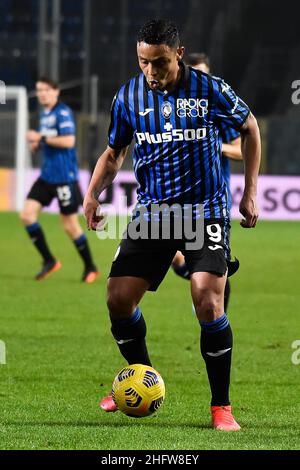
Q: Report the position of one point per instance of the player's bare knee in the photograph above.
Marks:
(208, 307)
(118, 304)
(27, 218)
(72, 228)
(23, 217)
(206, 304)
(68, 231)
(201, 295)
(68, 228)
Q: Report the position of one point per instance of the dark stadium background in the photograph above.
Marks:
(253, 44)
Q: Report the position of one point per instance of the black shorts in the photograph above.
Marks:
(150, 259)
(69, 195)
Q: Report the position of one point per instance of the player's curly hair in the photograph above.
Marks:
(159, 32)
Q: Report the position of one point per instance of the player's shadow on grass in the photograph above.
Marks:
(30, 279)
(66, 280)
(92, 424)
(19, 277)
(250, 428)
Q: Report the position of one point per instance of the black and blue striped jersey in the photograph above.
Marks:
(176, 156)
(59, 164)
(227, 135)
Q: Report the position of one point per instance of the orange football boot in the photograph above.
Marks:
(107, 404)
(90, 275)
(47, 269)
(223, 420)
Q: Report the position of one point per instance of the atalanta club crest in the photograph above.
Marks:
(166, 109)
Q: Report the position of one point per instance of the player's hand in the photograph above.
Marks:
(33, 146)
(92, 212)
(33, 137)
(249, 209)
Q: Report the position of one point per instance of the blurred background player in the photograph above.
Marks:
(231, 149)
(58, 179)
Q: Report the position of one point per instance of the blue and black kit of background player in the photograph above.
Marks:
(59, 174)
(227, 135)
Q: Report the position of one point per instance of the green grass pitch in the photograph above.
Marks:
(61, 357)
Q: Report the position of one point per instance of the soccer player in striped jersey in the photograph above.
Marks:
(173, 112)
(231, 149)
(58, 179)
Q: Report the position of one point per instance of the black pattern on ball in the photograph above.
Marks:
(133, 399)
(150, 379)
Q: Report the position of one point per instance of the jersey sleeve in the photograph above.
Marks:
(65, 122)
(120, 131)
(231, 111)
(227, 133)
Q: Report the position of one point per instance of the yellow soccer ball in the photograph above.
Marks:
(138, 390)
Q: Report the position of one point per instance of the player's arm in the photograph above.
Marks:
(61, 141)
(33, 139)
(251, 151)
(233, 112)
(104, 173)
(65, 131)
(233, 149)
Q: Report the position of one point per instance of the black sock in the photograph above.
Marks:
(38, 239)
(130, 336)
(182, 271)
(226, 295)
(83, 249)
(216, 349)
